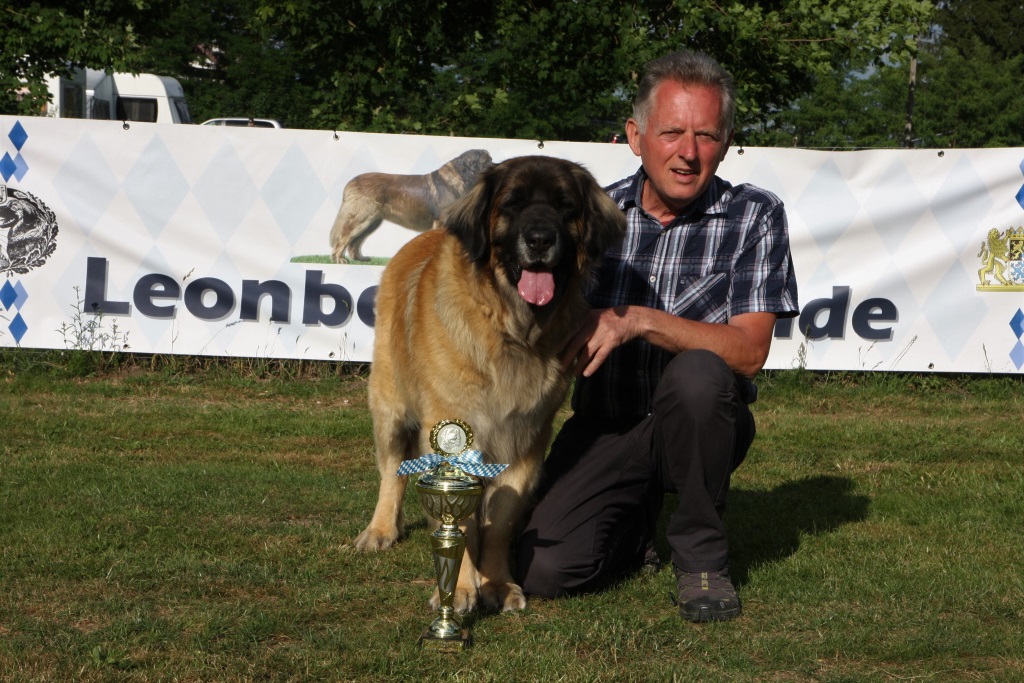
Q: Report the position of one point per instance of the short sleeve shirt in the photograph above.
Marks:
(728, 254)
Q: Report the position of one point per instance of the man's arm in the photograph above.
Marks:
(743, 342)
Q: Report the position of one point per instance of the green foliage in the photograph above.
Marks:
(777, 50)
(843, 110)
(241, 68)
(970, 97)
(561, 69)
(967, 90)
(997, 24)
(545, 69)
(814, 73)
(43, 37)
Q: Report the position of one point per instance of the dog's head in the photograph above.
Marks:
(540, 223)
(471, 164)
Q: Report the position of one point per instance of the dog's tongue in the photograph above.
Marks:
(537, 287)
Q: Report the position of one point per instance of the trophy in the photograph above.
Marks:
(449, 494)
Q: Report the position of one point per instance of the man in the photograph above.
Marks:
(683, 315)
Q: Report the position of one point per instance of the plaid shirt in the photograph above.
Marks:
(727, 254)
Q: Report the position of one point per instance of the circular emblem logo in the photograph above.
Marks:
(451, 437)
(28, 231)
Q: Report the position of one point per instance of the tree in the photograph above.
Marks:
(42, 37)
(845, 110)
(563, 68)
(779, 49)
(231, 66)
(546, 69)
(967, 93)
(997, 24)
(969, 97)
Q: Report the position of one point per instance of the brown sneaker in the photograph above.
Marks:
(707, 596)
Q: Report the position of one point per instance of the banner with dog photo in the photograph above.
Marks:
(270, 243)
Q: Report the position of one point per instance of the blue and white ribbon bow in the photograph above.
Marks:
(470, 462)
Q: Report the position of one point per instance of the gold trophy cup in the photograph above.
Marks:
(448, 495)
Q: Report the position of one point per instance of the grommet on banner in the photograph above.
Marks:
(124, 124)
(942, 153)
(336, 136)
(540, 144)
(740, 150)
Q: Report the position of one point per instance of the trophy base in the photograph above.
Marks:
(449, 643)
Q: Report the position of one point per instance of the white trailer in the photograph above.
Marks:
(90, 94)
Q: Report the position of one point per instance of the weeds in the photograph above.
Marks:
(89, 332)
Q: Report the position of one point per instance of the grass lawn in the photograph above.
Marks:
(163, 523)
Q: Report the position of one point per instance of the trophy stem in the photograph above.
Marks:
(449, 496)
(446, 632)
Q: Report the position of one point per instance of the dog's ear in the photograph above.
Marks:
(469, 218)
(606, 222)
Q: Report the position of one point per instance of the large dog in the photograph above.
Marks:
(412, 201)
(470, 322)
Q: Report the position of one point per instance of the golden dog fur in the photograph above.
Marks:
(455, 338)
(412, 201)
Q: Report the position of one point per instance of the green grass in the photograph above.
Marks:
(325, 258)
(176, 520)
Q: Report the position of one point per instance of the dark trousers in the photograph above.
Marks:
(604, 482)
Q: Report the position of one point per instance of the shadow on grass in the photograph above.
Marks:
(766, 526)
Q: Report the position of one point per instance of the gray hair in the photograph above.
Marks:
(686, 68)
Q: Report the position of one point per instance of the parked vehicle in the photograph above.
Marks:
(90, 94)
(243, 122)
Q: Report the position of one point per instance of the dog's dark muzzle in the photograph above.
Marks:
(540, 236)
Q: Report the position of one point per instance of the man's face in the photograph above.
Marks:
(681, 146)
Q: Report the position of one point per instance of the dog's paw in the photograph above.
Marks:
(373, 539)
(505, 597)
(464, 601)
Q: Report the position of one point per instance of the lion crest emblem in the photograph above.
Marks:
(1002, 261)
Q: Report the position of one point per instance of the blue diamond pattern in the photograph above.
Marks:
(1020, 192)
(225, 191)
(20, 167)
(1017, 355)
(7, 167)
(964, 195)
(18, 328)
(828, 202)
(292, 192)
(8, 295)
(155, 186)
(18, 135)
(1017, 323)
(22, 295)
(957, 326)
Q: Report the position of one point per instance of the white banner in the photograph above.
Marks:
(216, 241)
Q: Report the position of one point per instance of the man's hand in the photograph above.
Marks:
(603, 331)
(743, 342)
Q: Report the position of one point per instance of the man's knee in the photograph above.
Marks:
(545, 573)
(541, 579)
(695, 382)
